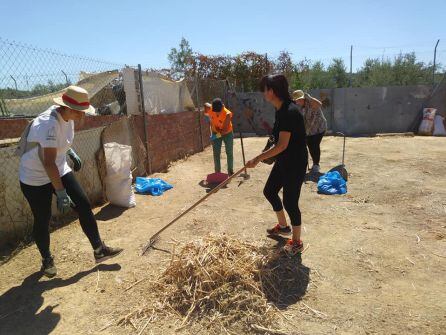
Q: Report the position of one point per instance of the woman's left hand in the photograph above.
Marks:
(77, 162)
(252, 163)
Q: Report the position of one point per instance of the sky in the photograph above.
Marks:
(136, 31)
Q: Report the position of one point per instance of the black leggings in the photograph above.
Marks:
(290, 177)
(314, 146)
(39, 199)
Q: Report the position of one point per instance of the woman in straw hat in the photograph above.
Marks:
(291, 155)
(44, 170)
(315, 125)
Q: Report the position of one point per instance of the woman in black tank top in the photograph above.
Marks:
(291, 155)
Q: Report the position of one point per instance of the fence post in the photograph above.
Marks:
(15, 83)
(433, 67)
(351, 66)
(146, 137)
(66, 77)
(332, 116)
(198, 111)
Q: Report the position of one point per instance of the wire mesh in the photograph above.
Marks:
(31, 77)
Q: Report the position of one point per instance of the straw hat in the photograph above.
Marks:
(298, 94)
(75, 98)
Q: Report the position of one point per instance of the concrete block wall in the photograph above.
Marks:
(371, 110)
(353, 111)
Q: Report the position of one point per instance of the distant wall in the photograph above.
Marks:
(251, 113)
(371, 110)
(354, 111)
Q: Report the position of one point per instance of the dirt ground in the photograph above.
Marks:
(374, 263)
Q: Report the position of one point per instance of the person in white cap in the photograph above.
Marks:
(44, 170)
(315, 125)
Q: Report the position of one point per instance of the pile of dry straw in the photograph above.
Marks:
(219, 283)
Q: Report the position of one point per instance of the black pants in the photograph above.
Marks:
(39, 199)
(314, 146)
(289, 177)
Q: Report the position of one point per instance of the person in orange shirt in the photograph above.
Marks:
(221, 131)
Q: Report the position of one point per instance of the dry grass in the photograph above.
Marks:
(220, 283)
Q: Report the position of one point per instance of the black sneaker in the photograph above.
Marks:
(279, 230)
(106, 253)
(48, 268)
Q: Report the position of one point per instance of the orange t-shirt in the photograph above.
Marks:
(217, 120)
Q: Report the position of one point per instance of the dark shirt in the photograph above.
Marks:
(289, 118)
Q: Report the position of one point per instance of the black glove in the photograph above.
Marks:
(77, 162)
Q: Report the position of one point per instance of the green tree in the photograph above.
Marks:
(338, 73)
(375, 72)
(302, 75)
(284, 64)
(408, 71)
(319, 77)
(181, 60)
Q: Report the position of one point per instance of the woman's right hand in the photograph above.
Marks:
(64, 202)
(252, 163)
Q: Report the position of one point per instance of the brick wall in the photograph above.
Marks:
(13, 128)
(172, 136)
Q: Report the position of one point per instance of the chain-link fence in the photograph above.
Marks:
(31, 77)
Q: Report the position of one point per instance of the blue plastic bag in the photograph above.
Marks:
(153, 186)
(332, 183)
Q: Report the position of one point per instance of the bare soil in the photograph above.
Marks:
(374, 263)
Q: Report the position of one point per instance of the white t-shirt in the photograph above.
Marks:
(50, 133)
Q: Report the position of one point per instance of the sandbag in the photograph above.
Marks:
(427, 124)
(439, 128)
(118, 180)
(332, 183)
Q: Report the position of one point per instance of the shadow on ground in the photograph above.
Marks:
(109, 212)
(313, 176)
(208, 186)
(286, 277)
(20, 306)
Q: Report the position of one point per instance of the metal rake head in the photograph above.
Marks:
(152, 241)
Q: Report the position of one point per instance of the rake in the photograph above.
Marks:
(155, 237)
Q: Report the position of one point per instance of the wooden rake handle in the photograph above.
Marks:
(153, 238)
